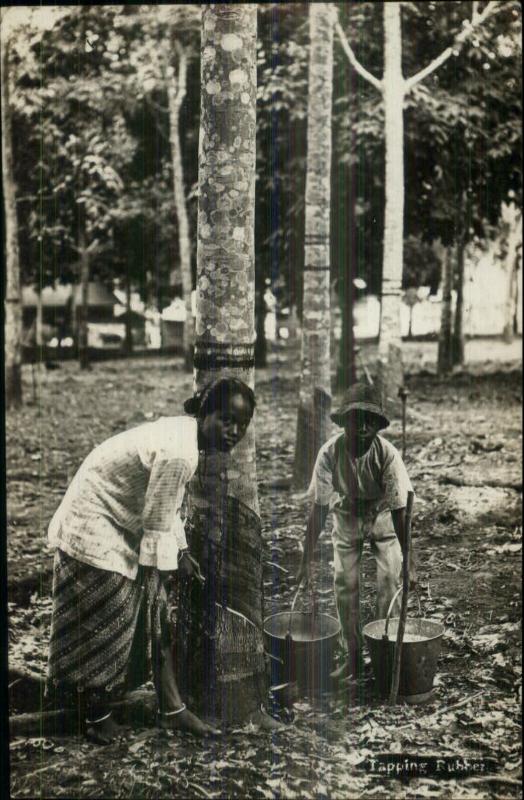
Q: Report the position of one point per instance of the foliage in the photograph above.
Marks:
(462, 126)
(74, 118)
(96, 126)
(107, 102)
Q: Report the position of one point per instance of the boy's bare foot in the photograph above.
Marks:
(344, 671)
(266, 722)
(186, 721)
(105, 732)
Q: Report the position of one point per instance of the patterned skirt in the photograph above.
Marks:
(107, 631)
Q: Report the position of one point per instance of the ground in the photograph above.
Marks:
(464, 456)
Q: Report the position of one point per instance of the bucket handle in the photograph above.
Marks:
(390, 609)
(288, 632)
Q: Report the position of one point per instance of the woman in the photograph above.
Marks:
(117, 533)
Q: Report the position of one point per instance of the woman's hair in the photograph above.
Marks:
(215, 396)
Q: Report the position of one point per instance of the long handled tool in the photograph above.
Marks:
(403, 394)
(404, 606)
(367, 373)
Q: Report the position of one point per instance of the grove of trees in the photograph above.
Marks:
(134, 137)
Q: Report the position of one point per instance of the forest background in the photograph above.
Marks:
(104, 115)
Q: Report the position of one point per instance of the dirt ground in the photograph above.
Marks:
(464, 443)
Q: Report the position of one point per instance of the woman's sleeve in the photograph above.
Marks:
(163, 528)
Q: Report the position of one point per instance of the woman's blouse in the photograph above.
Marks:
(122, 507)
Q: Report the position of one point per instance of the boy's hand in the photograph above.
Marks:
(413, 577)
(304, 572)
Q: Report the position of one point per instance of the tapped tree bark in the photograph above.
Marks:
(13, 292)
(390, 369)
(176, 91)
(219, 628)
(347, 354)
(315, 377)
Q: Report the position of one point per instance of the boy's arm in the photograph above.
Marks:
(315, 526)
(399, 523)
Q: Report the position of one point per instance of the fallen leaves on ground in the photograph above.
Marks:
(467, 551)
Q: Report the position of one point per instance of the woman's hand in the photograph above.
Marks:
(188, 567)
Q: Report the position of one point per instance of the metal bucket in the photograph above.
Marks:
(418, 661)
(301, 646)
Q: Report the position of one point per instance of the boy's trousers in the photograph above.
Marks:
(348, 540)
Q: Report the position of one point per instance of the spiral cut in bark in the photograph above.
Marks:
(219, 628)
(220, 646)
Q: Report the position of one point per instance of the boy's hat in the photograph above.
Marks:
(360, 397)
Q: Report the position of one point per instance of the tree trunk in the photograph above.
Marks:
(390, 370)
(128, 340)
(260, 330)
(176, 92)
(13, 293)
(294, 323)
(315, 377)
(83, 344)
(457, 338)
(512, 261)
(219, 625)
(347, 357)
(444, 363)
(39, 322)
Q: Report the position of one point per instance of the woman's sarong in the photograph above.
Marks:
(107, 631)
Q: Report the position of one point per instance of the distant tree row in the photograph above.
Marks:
(105, 113)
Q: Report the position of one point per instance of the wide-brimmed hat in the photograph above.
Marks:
(361, 397)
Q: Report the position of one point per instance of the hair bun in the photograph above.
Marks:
(192, 405)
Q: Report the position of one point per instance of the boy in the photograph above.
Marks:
(362, 478)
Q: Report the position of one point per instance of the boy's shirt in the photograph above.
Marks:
(357, 490)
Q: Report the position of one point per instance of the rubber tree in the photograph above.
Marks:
(512, 251)
(394, 89)
(13, 294)
(444, 353)
(220, 625)
(315, 375)
(457, 336)
(83, 283)
(176, 91)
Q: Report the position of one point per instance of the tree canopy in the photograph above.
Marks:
(91, 126)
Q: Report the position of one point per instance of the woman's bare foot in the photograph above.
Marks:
(186, 721)
(105, 731)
